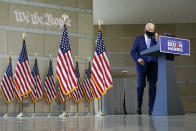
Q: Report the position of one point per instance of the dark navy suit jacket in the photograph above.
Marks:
(138, 46)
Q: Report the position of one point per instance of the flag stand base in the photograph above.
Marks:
(89, 114)
(20, 115)
(50, 115)
(101, 114)
(98, 113)
(77, 114)
(63, 115)
(33, 115)
(6, 115)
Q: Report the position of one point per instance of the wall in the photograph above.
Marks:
(118, 41)
(44, 39)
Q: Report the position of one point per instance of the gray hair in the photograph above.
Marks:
(148, 24)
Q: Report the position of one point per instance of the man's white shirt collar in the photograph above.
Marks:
(146, 38)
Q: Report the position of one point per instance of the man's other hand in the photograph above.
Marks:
(141, 61)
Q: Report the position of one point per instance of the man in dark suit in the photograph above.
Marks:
(146, 66)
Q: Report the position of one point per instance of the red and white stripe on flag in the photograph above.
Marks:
(87, 89)
(7, 85)
(7, 89)
(78, 93)
(87, 84)
(49, 85)
(22, 77)
(96, 92)
(101, 72)
(63, 97)
(36, 93)
(17, 94)
(65, 69)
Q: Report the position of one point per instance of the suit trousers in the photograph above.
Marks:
(151, 74)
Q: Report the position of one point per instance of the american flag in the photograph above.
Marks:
(78, 93)
(22, 77)
(87, 85)
(65, 70)
(49, 86)
(17, 94)
(7, 85)
(63, 97)
(36, 94)
(101, 73)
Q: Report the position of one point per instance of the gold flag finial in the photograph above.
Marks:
(35, 55)
(50, 57)
(76, 57)
(100, 22)
(23, 35)
(89, 60)
(65, 18)
(10, 56)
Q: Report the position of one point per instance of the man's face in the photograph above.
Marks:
(151, 28)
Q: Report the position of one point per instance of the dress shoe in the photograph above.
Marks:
(150, 113)
(139, 111)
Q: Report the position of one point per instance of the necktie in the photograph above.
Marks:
(148, 46)
(148, 42)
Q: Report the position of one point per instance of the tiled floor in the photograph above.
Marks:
(107, 123)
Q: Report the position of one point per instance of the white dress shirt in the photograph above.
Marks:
(146, 38)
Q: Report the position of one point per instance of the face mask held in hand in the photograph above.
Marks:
(150, 34)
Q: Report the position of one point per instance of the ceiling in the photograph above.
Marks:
(143, 11)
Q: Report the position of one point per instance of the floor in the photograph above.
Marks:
(106, 123)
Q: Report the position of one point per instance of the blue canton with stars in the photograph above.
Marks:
(9, 69)
(77, 71)
(50, 71)
(23, 54)
(100, 48)
(65, 45)
(35, 70)
(88, 73)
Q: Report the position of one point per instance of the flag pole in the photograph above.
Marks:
(101, 113)
(6, 114)
(77, 109)
(33, 110)
(66, 21)
(98, 111)
(77, 113)
(20, 115)
(100, 22)
(21, 111)
(50, 112)
(89, 106)
(64, 114)
(89, 101)
(33, 101)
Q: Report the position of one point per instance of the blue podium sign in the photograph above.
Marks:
(174, 45)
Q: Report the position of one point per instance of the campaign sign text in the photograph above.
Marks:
(174, 45)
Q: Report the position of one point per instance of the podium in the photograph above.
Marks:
(167, 101)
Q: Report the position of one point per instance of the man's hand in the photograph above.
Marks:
(156, 36)
(141, 61)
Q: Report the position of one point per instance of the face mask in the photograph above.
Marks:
(150, 34)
